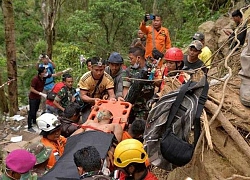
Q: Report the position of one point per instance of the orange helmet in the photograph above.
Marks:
(173, 54)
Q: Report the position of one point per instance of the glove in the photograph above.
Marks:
(67, 70)
(146, 17)
(150, 102)
(43, 95)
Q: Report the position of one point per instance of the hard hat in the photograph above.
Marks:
(115, 57)
(129, 151)
(47, 122)
(173, 54)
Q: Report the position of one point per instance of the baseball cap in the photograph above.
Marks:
(20, 161)
(198, 36)
(197, 44)
(41, 152)
(115, 57)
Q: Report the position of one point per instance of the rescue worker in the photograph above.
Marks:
(93, 85)
(206, 53)
(51, 132)
(157, 36)
(18, 165)
(114, 69)
(42, 154)
(137, 92)
(131, 157)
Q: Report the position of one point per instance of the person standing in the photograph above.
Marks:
(36, 88)
(206, 53)
(45, 61)
(137, 92)
(114, 69)
(93, 85)
(157, 35)
(141, 38)
(192, 61)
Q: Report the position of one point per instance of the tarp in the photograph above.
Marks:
(65, 167)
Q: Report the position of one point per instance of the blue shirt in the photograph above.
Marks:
(49, 83)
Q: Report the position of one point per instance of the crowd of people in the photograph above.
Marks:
(66, 114)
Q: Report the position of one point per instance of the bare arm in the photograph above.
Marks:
(56, 103)
(118, 132)
(111, 94)
(125, 91)
(86, 98)
(33, 90)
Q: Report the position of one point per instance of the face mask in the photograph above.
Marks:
(46, 74)
(135, 66)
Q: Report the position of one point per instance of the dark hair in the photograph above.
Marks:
(65, 76)
(137, 50)
(88, 60)
(88, 158)
(40, 70)
(72, 109)
(137, 127)
(139, 167)
(157, 15)
(96, 60)
(46, 133)
(237, 13)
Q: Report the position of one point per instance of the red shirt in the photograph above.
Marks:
(57, 87)
(149, 176)
(38, 84)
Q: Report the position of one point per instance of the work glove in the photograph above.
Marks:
(67, 70)
(43, 95)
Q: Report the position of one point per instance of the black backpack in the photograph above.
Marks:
(169, 125)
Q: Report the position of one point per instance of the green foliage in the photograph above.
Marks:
(107, 26)
(68, 56)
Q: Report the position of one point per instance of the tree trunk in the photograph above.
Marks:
(50, 12)
(11, 54)
(3, 103)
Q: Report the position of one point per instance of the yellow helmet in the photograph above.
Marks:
(129, 151)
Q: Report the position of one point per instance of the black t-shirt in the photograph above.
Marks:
(195, 65)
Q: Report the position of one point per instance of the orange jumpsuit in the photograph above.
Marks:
(162, 39)
(56, 146)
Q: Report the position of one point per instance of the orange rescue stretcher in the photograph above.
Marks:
(119, 109)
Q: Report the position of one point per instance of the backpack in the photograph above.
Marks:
(169, 125)
(51, 94)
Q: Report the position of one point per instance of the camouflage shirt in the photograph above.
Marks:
(64, 96)
(139, 107)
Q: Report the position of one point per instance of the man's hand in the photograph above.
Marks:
(112, 99)
(43, 95)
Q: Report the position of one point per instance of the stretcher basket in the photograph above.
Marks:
(119, 109)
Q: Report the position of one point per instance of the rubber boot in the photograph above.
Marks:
(245, 75)
(245, 92)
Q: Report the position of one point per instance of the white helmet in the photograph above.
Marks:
(47, 122)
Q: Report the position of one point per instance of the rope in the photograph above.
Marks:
(7, 83)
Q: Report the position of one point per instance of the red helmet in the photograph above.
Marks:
(173, 54)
